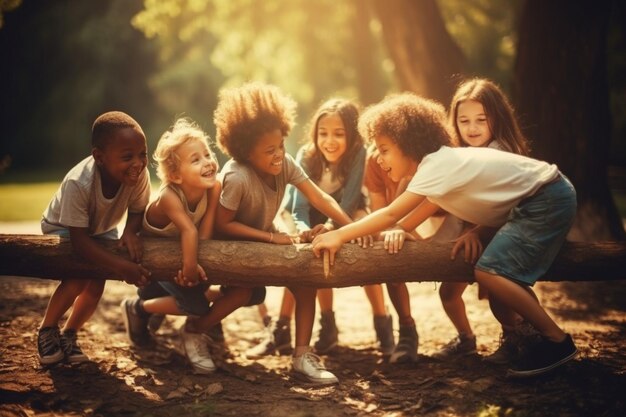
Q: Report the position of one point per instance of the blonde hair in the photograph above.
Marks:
(183, 131)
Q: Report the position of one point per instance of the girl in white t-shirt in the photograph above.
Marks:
(530, 201)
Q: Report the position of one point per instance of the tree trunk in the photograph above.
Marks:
(561, 91)
(252, 263)
(426, 58)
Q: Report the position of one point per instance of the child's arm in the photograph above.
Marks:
(418, 215)
(373, 222)
(226, 224)
(323, 202)
(88, 248)
(130, 239)
(205, 231)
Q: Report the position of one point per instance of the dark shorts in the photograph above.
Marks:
(525, 247)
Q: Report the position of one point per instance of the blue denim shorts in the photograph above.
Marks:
(110, 235)
(525, 247)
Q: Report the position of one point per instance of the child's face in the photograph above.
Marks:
(392, 160)
(472, 123)
(266, 157)
(124, 158)
(198, 167)
(331, 137)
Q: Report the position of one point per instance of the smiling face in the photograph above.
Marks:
(266, 157)
(123, 158)
(472, 123)
(198, 167)
(392, 160)
(331, 137)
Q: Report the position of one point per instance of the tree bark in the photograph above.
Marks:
(252, 263)
(427, 60)
(561, 92)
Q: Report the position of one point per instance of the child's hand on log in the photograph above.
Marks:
(364, 241)
(330, 241)
(471, 245)
(393, 239)
(135, 274)
(133, 244)
(186, 281)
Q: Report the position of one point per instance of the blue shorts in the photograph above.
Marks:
(110, 235)
(191, 300)
(525, 247)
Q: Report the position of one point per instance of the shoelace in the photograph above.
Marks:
(314, 360)
(49, 340)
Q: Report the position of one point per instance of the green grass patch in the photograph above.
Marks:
(23, 202)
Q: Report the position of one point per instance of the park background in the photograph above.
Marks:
(64, 62)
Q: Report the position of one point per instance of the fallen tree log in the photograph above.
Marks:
(253, 263)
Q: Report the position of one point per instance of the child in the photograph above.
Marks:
(482, 117)
(89, 204)
(252, 122)
(530, 200)
(334, 159)
(185, 208)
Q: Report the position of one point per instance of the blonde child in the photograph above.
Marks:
(185, 208)
(530, 201)
(334, 159)
(252, 122)
(89, 204)
(482, 116)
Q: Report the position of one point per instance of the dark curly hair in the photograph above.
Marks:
(499, 112)
(418, 125)
(313, 158)
(245, 113)
(108, 123)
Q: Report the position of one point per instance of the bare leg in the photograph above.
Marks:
(234, 298)
(325, 299)
(305, 313)
(288, 305)
(399, 296)
(62, 299)
(85, 304)
(451, 294)
(377, 300)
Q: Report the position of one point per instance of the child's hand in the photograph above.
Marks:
(309, 235)
(135, 274)
(472, 246)
(393, 239)
(329, 241)
(364, 241)
(133, 243)
(283, 239)
(191, 280)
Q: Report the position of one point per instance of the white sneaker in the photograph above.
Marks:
(196, 347)
(310, 367)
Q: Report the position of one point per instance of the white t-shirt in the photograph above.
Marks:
(79, 201)
(254, 201)
(479, 185)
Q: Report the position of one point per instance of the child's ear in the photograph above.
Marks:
(97, 155)
(175, 178)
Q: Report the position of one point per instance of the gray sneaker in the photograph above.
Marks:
(136, 326)
(406, 349)
(196, 348)
(277, 339)
(328, 337)
(69, 344)
(459, 346)
(309, 367)
(384, 333)
(49, 346)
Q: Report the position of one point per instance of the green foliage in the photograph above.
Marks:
(25, 202)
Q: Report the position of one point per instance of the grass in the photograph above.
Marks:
(25, 202)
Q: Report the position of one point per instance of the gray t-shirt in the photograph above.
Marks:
(79, 201)
(254, 201)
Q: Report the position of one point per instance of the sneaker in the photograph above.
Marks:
(329, 334)
(216, 333)
(513, 343)
(543, 357)
(136, 325)
(196, 348)
(49, 346)
(459, 346)
(384, 333)
(309, 367)
(69, 344)
(277, 339)
(155, 321)
(406, 349)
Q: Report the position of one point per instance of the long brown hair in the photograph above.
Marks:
(313, 159)
(500, 114)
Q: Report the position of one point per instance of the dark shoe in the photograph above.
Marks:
(457, 347)
(155, 321)
(384, 333)
(136, 324)
(543, 357)
(328, 337)
(513, 344)
(277, 339)
(49, 346)
(69, 344)
(216, 333)
(406, 349)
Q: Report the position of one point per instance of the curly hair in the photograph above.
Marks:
(500, 114)
(246, 113)
(107, 124)
(418, 125)
(167, 160)
(349, 114)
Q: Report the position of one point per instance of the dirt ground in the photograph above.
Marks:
(122, 381)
